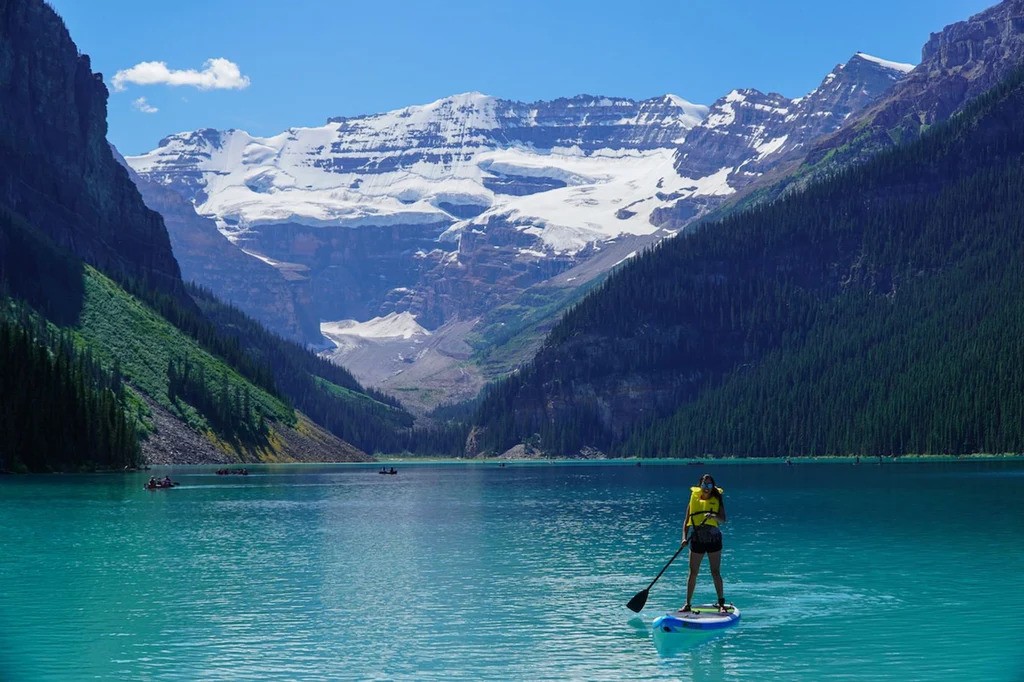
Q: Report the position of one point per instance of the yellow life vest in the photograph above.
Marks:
(697, 505)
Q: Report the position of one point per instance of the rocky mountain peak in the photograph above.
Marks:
(979, 47)
(847, 89)
(450, 209)
(957, 64)
(851, 86)
(747, 132)
(209, 137)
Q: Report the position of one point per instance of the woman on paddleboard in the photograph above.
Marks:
(704, 513)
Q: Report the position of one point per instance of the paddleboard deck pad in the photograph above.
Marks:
(703, 617)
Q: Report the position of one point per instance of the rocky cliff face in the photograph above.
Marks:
(56, 169)
(279, 298)
(750, 133)
(957, 64)
(470, 120)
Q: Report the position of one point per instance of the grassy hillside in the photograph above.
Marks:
(126, 333)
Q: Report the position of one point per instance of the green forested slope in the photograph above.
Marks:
(151, 353)
(879, 311)
(61, 410)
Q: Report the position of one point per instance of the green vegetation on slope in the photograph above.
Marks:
(61, 410)
(146, 346)
(508, 335)
(329, 394)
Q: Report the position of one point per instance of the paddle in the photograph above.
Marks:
(640, 598)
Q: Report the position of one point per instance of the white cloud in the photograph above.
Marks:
(145, 107)
(217, 74)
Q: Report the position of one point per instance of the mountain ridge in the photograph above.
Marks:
(964, 60)
(450, 209)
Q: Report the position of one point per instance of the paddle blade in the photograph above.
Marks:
(636, 604)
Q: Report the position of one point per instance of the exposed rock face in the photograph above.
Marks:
(586, 122)
(351, 273)
(172, 442)
(280, 299)
(751, 133)
(957, 64)
(56, 169)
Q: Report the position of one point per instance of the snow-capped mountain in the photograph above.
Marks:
(750, 133)
(446, 161)
(449, 209)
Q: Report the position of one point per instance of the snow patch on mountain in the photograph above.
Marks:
(611, 193)
(395, 325)
(464, 159)
(895, 66)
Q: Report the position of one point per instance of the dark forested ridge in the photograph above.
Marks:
(880, 311)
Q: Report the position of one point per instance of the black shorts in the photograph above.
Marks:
(709, 539)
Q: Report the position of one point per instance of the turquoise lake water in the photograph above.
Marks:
(900, 571)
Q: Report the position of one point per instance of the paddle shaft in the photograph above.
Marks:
(665, 568)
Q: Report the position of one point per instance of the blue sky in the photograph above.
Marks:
(301, 61)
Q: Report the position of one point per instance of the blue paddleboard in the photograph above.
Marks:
(701, 618)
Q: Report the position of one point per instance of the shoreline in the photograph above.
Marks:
(822, 459)
(383, 460)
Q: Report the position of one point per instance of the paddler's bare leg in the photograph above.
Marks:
(715, 559)
(691, 582)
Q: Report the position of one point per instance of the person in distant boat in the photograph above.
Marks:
(392, 471)
(704, 513)
(152, 482)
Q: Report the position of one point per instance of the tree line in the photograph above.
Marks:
(61, 410)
